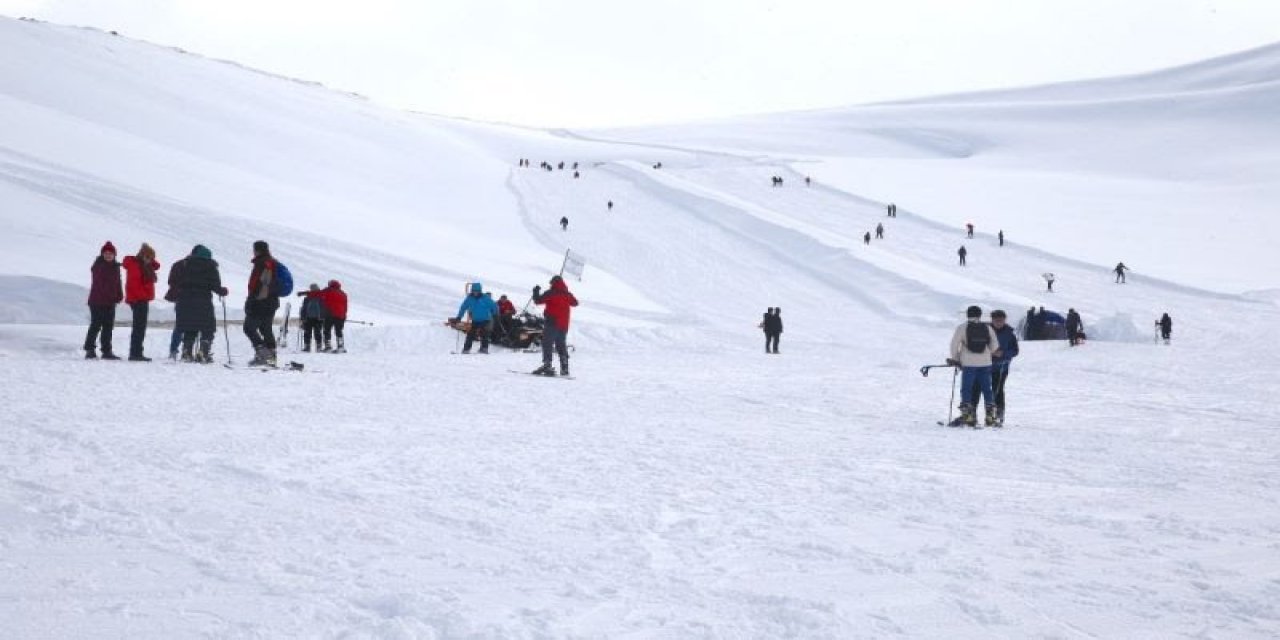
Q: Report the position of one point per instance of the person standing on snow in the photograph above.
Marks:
(139, 290)
(564, 223)
(962, 252)
(197, 282)
(866, 238)
(1074, 327)
(773, 326)
(261, 305)
(972, 346)
(506, 315)
(879, 231)
(1007, 350)
(171, 295)
(1001, 237)
(969, 227)
(482, 310)
(312, 315)
(1120, 269)
(335, 316)
(558, 302)
(765, 326)
(1166, 327)
(1048, 280)
(105, 293)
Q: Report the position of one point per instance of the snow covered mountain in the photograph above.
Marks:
(685, 485)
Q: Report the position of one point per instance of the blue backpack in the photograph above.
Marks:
(282, 283)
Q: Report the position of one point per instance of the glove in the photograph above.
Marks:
(223, 292)
(455, 320)
(953, 362)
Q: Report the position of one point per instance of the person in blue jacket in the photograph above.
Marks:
(482, 310)
(1008, 339)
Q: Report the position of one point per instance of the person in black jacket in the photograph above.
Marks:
(261, 305)
(197, 282)
(773, 330)
(312, 315)
(1166, 327)
(765, 325)
(1074, 327)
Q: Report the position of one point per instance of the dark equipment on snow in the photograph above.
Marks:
(1043, 325)
(525, 331)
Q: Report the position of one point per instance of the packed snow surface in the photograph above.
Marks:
(684, 484)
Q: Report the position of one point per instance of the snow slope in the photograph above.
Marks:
(684, 485)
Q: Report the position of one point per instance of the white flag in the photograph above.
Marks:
(574, 264)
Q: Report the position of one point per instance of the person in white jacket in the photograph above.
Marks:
(972, 346)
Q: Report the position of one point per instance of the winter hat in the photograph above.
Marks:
(107, 247)
(334, 284)
(201, 251)
(261, 245)
(476, 287)
(314, 287)
(147, 252)
(974, 311)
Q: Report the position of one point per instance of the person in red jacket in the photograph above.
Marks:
(558, 302)
(104, 294)
(335, 317)
(506, 315)
(139, 290)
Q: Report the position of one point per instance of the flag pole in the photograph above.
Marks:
(564, 262)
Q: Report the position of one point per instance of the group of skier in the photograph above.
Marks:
(323, 314)
(193, 281)
(486, 314)
(983, 352)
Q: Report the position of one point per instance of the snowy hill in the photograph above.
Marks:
(683, 485)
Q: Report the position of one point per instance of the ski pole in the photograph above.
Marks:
(924, 371)
(225, 335)
(955, 371)
(360, 322)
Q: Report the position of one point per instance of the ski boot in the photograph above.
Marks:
(186, 354)
(90, 353)
(968, 415)
(138, 357)
(107, 355)
(343, 349)
(205, 354)
(999, 417)
(545, 370)
(262, 357)
(564, 367)
(306, 347)
(962, 420)
(328, 347)
(992, 420)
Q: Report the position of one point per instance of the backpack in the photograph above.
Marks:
(977, 337)
(282, 283)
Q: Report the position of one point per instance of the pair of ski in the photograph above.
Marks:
(540, 375)
(291, 366)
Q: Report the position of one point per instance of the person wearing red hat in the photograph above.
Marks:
(105, 293)
(335, 315)
(139, 290)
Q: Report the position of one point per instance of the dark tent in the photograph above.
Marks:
(1043, 325)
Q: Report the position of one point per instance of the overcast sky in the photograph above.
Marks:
(579, 63)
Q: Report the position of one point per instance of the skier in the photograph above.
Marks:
(105, 293)
(767, 326)
(260, 306)
(335, 316)
(1001, 359)
(879, 232)
(969, 226)
(559, 303)
(773, 324)
(575, 175)
(1001, 237)
(1120, 269)
(481, 310)
(312, 315)
(866, 238)
(893, 210)
(610, 205)
(198, 279)
(1166, 326)
(564, 223)
(1074, 327)
(171, 295)
(139, 290)
(962, 253)
(1048, 280)
(972, 346)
